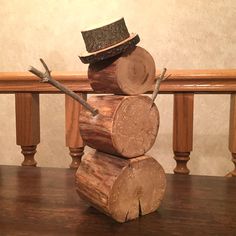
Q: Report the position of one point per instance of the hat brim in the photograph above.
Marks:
(110, 51)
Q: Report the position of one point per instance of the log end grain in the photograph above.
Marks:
(131, 73)
(139, 190)
(136, 71)
(135, 126)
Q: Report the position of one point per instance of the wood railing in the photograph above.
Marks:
(182, 83)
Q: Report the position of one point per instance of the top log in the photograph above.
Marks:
(131, 73)
(208, 81)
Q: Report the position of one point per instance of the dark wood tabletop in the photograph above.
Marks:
(43, 201)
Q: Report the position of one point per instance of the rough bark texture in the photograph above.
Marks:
(123, 189)
(105, 36)
(126, 125)
(132, 72)
(110, 51)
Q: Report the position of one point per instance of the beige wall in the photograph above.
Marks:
(180, 34)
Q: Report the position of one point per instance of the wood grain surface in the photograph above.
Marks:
(132, 73)
(182, 130)
(232, 132)
(73, 137)
(43, 201)
(27, 125)
(117, 129)
(123, 189)
(212, 81)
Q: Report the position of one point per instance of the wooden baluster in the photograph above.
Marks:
(182, 130)
(232, 133)
(27, 125)
(73, 138)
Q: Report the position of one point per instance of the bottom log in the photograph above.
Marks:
(123, 189)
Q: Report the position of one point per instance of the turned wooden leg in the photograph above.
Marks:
(182, 130)
(233, 172)
(73, 138)
(232, 133)
(27, 125)
(76, 154)
(28, 152)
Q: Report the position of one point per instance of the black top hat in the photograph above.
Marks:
(107, 41)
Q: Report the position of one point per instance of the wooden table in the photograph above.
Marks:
(43, 201)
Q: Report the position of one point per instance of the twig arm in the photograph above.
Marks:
(158, 83)
(37, 72)
(47, 78)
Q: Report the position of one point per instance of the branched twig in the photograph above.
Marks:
(158, 83)
(47, 78)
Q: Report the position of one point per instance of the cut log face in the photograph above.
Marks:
(132, 73)
(126, 125)
(124, 189)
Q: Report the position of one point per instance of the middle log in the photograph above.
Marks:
(125, 126)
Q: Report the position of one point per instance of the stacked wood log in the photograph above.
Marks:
(132, 72)
(124, 189)
(118, 178)
(126, 125)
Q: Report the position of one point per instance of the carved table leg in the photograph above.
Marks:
(232, 133)
(27, 125)
(73, 138)
(182, 130)
(28, 152)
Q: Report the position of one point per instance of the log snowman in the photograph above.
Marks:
(118, 178)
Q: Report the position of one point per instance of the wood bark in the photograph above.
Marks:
(132, 72)
(105, 36)
(111, 51)
(123, 189)
(125, 126)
